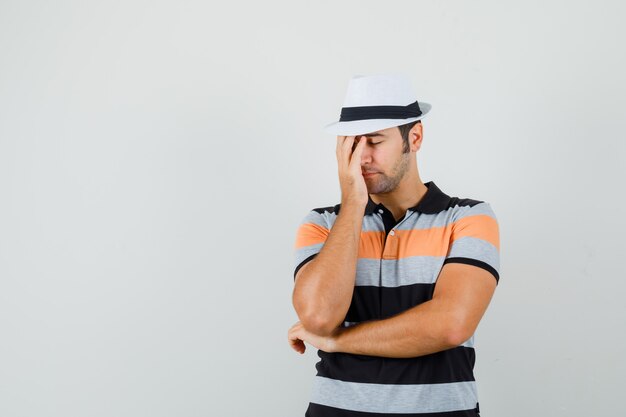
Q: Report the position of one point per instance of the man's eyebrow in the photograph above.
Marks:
(373, 134)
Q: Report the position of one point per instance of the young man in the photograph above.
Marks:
(391, 283)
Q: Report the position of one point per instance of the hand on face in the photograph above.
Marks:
(353, 187)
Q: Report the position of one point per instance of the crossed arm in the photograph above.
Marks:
(461, 297)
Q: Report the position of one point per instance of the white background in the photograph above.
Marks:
(156, 158)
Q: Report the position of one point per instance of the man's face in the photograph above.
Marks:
(383, 155)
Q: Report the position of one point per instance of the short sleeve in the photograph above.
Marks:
(475, 239)
(310, 237)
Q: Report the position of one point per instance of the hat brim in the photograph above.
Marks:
(361, 127)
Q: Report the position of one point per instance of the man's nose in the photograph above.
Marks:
(366, 155)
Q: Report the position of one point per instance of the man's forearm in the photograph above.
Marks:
(323, 294)
(421, 330)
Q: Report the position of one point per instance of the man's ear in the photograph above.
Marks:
(415, 137)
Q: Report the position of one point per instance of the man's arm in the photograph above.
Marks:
(323, 292)
(323, 287)
(462, 294)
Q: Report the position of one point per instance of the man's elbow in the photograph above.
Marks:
(311, 318)
(318, 325)
(458, 331)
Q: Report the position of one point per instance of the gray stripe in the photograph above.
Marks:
(445, 217)
(315, 218)
(397, 272)
(480, 208)
(475, 248)
(391, 398)
(411, 270)
(412, 220)
(373, 224)
(369, 224)
(304, 252)
(421, 221)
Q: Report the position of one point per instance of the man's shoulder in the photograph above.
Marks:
(449, 201)
(327, 209)
(459, 208)
(463, 202)
(323, 215)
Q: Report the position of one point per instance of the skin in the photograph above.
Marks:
(462, 292)
(397, 184)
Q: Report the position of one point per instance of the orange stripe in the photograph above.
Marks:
(480, 226)
(310, 234)
(423, 242)
(435, 241)
(371, 244)
(405, 243)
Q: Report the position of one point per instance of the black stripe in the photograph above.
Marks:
(301, 264)
(463, 202)
(433, 202)
(318, 410)
(451, 365)
(375, 303)
(475, 262)
(349, 114)
(329, 209)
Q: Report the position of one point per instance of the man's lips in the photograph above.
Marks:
(369, 174)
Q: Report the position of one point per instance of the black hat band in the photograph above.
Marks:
(349, 114)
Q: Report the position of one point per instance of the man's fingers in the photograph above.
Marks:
(339, 142)
(356, 153)
(294, 341)
(360, 144)
(298, 346)
(344, 151)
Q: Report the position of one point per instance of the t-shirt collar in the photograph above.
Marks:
(433, 201)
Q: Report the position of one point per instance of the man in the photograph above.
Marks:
(391, 283)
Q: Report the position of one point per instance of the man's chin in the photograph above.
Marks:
(373, 190)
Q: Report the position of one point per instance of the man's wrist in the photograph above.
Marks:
(353, 204)
(333, 342)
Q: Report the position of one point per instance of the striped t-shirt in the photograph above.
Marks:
(397, 266)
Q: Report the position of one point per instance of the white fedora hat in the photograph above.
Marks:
(377, 102)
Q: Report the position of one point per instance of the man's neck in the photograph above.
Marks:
(401, 198)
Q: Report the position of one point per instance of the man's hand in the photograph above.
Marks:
(297, 335)
(351, 181)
